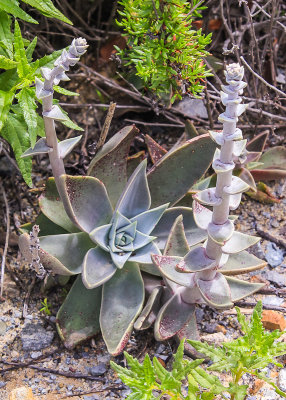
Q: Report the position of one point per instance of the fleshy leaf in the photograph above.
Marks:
(239, 147)
(40, 147)
(240, 289)
(239, 242)
(147, 220)
(120, 259)
(216, 292)
(193, 234)
(100, 236)
(208, 197)
(156, 151)
(258, 142)
(64, 254)
(66, 146)
(78, 317)
(150, 311)
(190, 331)
(142, 240)
(143, 255)
(246, 176)
(274, 158)
(135, 198)
(97, 268)
(237, 186)
(177, 244)
(47, 227)
(202, 215)
(195, 261)
(167, 183)
(221, 233)
(167, 267)
(86, 201)
(241, 263)
(172, 317)
(109, 164)
(53, 208)
(55, 113)
(122, 301)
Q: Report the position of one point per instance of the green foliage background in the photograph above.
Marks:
(162, 45)
(19, 122)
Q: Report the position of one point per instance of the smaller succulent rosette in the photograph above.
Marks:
(127, 236)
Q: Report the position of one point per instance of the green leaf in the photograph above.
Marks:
(26, 98)
(16, 133)
(66, 92)
(6, 63)
(239, 391)
(6, 99)
(23, 67)
(68, 122)
(30, 49)
(6, 36)
(47, 8)
(48, 61)
(11, 7)
(9, 79)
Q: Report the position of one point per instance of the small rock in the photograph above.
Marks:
(2, 384)
(17, 314)
(272, 301)
(215, 338)
(270, 394)
(258, 383)
(22, 393)
(98, 370)
(273, 320)
(192, 108)
(275, 277)
(92, 397)
(282, 379)
(221, 328)
(160, 349)
(209, 328)
(3, 328)
(36, 354)
(274, 256)
(103, 359)
(35, 337)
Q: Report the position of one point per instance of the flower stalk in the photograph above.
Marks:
(226, 195)
(51, 112)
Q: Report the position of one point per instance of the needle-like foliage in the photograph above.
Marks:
(163, 46)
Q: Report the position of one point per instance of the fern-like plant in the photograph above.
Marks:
(247, 354)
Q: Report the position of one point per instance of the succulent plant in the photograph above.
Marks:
(88, 243)
(102, 226)
(201, 274)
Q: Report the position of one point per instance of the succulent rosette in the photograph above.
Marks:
(105, 227)
(126, 237)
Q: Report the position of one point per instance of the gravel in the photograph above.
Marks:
(35, 337)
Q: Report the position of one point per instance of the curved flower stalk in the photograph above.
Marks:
(201, 274)
(44, 92)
